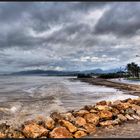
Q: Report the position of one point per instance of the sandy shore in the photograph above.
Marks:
(128, 88)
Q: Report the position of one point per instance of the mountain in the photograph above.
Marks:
(63, 73)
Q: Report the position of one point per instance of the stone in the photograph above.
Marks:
(93, 111)
(2, 135)
(105, 114)
(80, 121)
(92, 118)
(109, 122)
(122, 117)
(90, 128)
(49, 123)
(101, 103)
(136, 117)
(129, 117)
(116, 102)
(68, 125)
(102, 107)
(129, 111)
(34, 130)
(15, 134)
(136, 108)
(79, 134)
(68, 116)
(123, 106)
(115, 111)
(56, 116)
(88, 107)
(4, 127)
(82, 112)
(60, 132)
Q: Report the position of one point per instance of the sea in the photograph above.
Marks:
(27, 97)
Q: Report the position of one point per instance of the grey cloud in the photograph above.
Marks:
(121, 19)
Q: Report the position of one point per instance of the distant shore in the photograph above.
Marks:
(128, 88)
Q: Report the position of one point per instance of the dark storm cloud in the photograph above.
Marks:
(74, 35)
(121, 19)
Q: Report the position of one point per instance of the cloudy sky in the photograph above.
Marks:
(68, 36)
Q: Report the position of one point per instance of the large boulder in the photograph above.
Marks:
(115, 111)
(34, 130)
(123, 106)
(129, 111)
(68, 125)
(105, 114)
(103, 107)
(2, 135)
(101, 103)
(15, 134)
(122, 117)
(129, 117)
(60, 132)
(80, 121)
(90, 128)
(81, 112)
(49, 123)
(109, 122)
(56, 116)
(136, 108)
(68, 116)
(92, 118)
(79, 134)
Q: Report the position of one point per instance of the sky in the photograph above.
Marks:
(68, 35)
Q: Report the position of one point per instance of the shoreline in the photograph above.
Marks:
(105, 119)
(127, 88)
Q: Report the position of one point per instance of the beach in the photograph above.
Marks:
(25, 98)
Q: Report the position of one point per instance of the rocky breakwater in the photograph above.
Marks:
(76, 124)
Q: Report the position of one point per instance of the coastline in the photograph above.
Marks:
(105, 119)
(127, 88)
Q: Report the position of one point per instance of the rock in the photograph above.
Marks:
(79, 134)
(90, 128)
(2, 135)
(115, 111)
(93, 111)
(56, 116)
(80, 121)
(81, 113)
(60, 132)
(34, 130)
(101, 103)
(109, 122)
(136, 108)
(129, 117)
(105, 114)
(15, 134)
(116, 102)
(102, 107)
(92, 118)
(137, 102)
(68, 116)
(122, 117)
(49, 123)
(136, 117)
(129, 111)
(88, 107)
(4, 127)
(123, 106)
(68, 125)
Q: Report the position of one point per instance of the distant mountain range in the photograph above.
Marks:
(63, 73)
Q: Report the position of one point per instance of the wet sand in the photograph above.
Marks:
(128, 88)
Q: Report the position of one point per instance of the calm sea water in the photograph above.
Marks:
(25, 97)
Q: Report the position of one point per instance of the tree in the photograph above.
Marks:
(133, 69)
